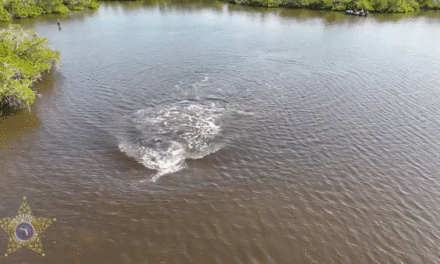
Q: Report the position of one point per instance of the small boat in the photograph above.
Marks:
(356, 13)
(364, 13)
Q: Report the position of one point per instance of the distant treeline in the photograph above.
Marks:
(382, 6)
(379, 6)
(31, 8)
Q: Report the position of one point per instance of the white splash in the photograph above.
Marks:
(165, 136)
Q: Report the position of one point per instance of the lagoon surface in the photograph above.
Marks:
(213, 133)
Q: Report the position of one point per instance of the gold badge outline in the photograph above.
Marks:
(38, 224)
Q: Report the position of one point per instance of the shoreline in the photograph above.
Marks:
(13, 100)
(27, 58)
(11, 10)
(16, 10)
(383, 7)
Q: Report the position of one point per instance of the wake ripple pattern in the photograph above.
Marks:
(161, 138)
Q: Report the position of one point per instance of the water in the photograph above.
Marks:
(162, 139)
(209, 133)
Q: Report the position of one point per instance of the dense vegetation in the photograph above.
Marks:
(383, 6)
(32, 8)
(23, 58)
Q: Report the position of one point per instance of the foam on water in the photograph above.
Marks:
(161, 138)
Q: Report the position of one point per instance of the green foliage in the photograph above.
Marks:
(415, 5)
(399, 6)
(62, 9)
(33, 8)
(23, 58)
(81, 4)
(94, 5)
(344, 5)
(383, 6)
(380, 6)
(326, 4)
(363, 4)
(4, 15)
(52, 6)
(23, 8)
(429, 4)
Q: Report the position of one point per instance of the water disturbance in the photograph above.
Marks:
(162, 138)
